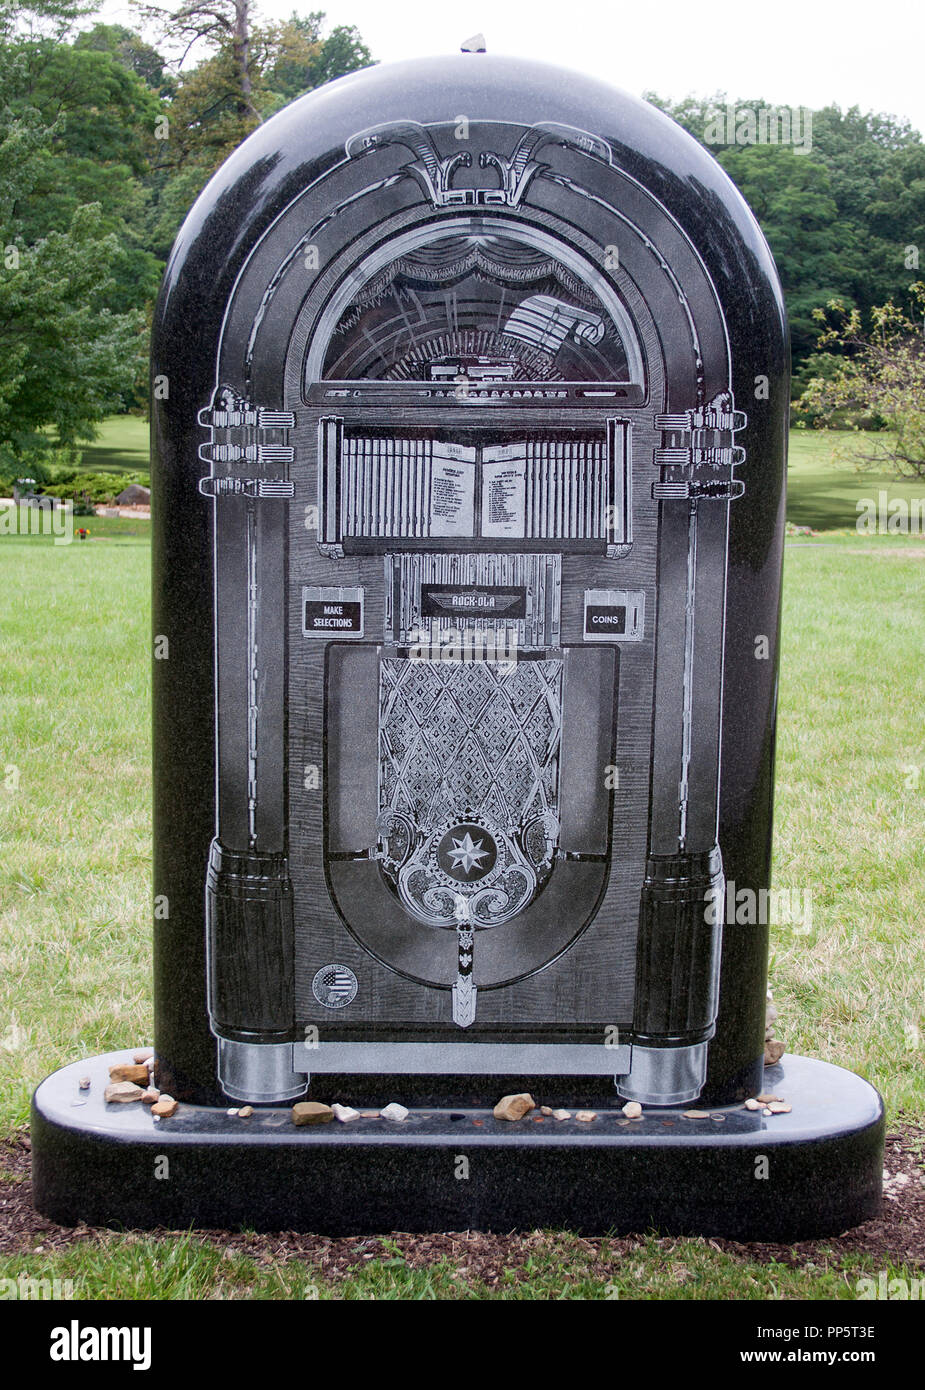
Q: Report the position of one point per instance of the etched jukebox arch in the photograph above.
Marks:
(470, 405)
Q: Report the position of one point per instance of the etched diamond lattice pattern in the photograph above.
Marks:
(478, 737)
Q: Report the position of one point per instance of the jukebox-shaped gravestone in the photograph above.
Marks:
(470, 401)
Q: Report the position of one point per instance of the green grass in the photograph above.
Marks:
(194, 1267)
(113, 528)
(75, 884)
(825, 479)
(850, 804)
(119, 528)
(120, 447)
(75, 846)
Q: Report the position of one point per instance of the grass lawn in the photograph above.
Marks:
(825, 479)
(121, 446)
(75, 885)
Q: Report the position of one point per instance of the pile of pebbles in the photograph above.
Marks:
(313, 1112)
(517, 1107)
(134, 1081)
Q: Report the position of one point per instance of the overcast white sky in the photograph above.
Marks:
(796, 52)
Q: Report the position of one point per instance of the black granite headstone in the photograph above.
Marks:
(468, 460)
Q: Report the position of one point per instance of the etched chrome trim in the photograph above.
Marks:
(687, 716)
(253, 674)
(465, 994)
(665, 1075)
(261, 1072)
(462, 1058)
(435, 175)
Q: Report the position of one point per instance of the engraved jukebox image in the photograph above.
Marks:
(472, 450)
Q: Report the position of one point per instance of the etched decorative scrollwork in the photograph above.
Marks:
(468, 786)
(435, 174)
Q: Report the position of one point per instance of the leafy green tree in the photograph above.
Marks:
(99, 120)
(133, 52)
(792, 198)
(880, 373)
(300, 58)
(213, 108)
(67, 359)
(69, 354)
(845, 218)
(868, 157)
(222, 26)
(897, 208)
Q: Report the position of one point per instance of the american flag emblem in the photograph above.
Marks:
(334, 986)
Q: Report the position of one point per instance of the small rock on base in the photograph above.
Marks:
(752, 1104)
(586, 1116)
(245, 1112)
(514, 1107)
(394, 1111)
(123, 1091)
(632, 1110)
(84, 1083)
(151, 1095)
(311, 1112)
(345, 1113)
(773, 1052)
(562, 1114)
(143, 1054)
(129, 1072)
(164, 1108)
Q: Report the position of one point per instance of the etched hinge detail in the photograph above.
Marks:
(701, 438)
(237, 431)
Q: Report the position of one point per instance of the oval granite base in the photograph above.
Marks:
(814, 1171)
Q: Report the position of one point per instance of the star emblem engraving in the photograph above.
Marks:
(467, 854)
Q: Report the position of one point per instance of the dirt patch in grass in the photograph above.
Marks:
(896, 1237)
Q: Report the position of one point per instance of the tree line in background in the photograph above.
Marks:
(845, 220)
(104, 147)
(108, 134)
